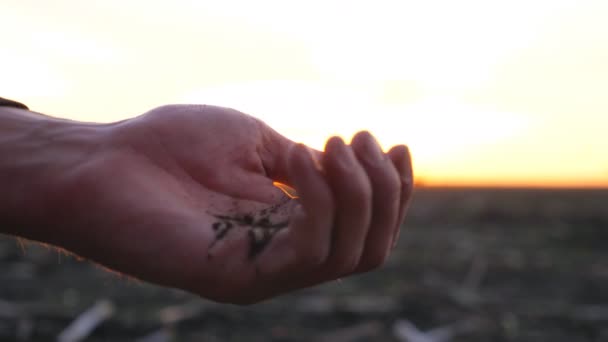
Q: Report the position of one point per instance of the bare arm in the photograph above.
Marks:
(36, 153)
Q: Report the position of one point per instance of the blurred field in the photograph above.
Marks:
(487, 264)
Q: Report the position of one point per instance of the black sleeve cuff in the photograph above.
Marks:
(9, 103)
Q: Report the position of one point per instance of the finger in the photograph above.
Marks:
(401, 158)
(386, 186)
(352, 194)
(306, 242)
(274, 150)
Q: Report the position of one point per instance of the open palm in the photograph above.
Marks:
(183, 196)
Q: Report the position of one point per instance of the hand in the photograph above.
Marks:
(183, 196)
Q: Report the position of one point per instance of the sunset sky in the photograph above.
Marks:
(506, 93)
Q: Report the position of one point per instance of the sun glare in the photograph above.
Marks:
(483, 92)
(435, 128)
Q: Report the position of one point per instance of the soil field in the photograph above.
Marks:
(472, 265)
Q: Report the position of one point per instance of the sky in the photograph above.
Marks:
(499, 93)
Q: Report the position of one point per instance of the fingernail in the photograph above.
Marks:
(408, 177)
(395, 242)
(373, 153)
(342, 155)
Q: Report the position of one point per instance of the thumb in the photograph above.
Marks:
(274, 151)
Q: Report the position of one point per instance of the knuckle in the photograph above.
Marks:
(408, 187)
(360, 194)
(389, 184)
(392, 182)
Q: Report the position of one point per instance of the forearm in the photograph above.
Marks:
(37, 154)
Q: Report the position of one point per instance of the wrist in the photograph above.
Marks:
(38, 155)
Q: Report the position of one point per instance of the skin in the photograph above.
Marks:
(183, 196)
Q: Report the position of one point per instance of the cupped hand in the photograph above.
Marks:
(185, 196)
